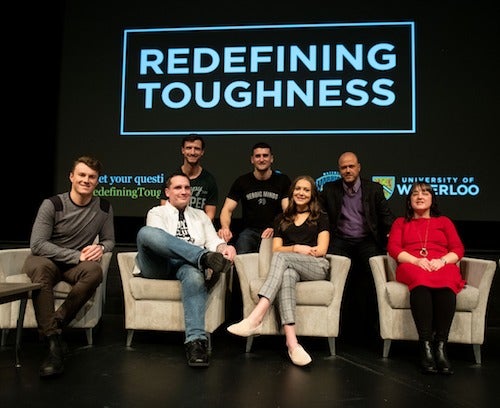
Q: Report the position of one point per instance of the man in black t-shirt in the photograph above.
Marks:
(263, 194)
(204, 192)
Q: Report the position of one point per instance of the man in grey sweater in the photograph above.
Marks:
(70, 234)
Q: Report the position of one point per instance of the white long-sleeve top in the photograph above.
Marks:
(200, 227)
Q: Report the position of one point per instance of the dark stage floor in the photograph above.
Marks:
(153, 373)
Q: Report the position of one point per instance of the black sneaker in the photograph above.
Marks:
(197, 353)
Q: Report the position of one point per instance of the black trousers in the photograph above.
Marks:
(359, 313)
(433, 310)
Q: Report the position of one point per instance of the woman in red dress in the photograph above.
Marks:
(427, 248)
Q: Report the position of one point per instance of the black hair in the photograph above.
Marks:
(193, 137)
(261, 145)
(175, 174)
(434, 210)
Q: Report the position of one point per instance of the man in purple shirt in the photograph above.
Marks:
(360, 220)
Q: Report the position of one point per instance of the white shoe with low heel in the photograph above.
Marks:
(299, 356)
(244, 329)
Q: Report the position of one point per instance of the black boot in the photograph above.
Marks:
(442, 362)
(53, 363)
(427, 363)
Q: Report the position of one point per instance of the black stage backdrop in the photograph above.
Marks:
(71, 92)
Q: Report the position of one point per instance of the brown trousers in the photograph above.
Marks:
(84, 277)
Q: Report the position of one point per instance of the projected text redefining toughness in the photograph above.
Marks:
(281, 83)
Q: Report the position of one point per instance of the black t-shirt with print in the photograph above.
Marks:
(260, 199)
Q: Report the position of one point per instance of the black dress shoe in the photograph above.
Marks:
(59, 322)
(197, 353)
(216, 262)
(211, 279)
(53, 363)
(442, 362)
(427, 363)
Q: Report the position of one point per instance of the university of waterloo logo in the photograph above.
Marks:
(388, 183)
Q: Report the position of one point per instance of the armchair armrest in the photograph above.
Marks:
(339, 269)
(478, 272)
(247, 267)
(11, 261)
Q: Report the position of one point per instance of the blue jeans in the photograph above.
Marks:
(164, 256)
(248, 241)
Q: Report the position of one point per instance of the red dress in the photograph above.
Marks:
(439, 236)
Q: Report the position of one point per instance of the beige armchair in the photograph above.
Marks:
(156, 304)
(318, 302)
(396, 321)
(11, 263)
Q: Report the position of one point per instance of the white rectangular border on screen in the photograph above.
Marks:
(412, 128)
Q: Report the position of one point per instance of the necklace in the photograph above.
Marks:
(424, 251)
(302, 212)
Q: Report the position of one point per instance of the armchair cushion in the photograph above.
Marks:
(155, 289)
(314, 293)
(61, 289)
(398, 296)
